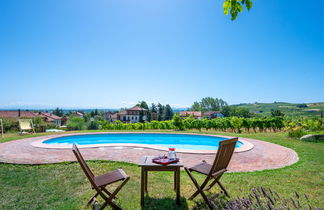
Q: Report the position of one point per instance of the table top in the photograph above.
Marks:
(147, 161)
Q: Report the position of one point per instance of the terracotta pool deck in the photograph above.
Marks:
(264, 155)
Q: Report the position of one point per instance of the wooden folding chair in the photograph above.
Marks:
(213, 172)
(100, 182)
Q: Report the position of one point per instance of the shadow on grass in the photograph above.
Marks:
(163, 203)
(201, 204)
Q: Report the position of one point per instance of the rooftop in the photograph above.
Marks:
(190, 113)
(17, 114)
(49, 116)
(210, 113)
(136, 108)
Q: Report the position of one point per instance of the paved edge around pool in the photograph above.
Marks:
(40, 143)
(264, 155)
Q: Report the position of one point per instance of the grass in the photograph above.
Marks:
(64, 186)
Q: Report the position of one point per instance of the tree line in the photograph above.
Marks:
(157, 112)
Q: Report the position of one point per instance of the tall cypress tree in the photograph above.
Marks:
(168, 112)
(160, 112)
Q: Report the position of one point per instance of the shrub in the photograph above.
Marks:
(236, 123)
(296, 132)
(178, 122)
(93, 125)
(105, 125)
(119, 125)
(76, 123)
(10, 125)
(155, 124)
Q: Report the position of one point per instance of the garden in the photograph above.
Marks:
(64, 186)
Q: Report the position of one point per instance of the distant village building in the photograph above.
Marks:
(50, 118)
(78, 114)
(212, 114)
(199, 115)
(194, 114)
(109, 116)
(16, 114)
(132, 115)
(47, 117)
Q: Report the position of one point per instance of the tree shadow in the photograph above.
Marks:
(164, 203)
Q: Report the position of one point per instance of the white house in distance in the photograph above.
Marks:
(131, 115)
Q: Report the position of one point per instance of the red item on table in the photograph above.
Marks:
(164, 161)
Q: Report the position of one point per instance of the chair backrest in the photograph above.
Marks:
(224, 155)
(25, 124)
(84, 165)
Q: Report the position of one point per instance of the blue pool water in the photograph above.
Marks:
(178, 141)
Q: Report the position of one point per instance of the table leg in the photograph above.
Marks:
(175, 181)
(178, 185)
(142, 186)
(145, 179)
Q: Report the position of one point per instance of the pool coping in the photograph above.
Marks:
(40, 143)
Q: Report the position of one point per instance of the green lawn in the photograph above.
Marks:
(64, 186)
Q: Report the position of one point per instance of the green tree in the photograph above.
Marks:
(208, 104)
(168, 112)
(143, 104)
(153, 108)
(241, 112)
(94, 113)
(141, 116)
(152, 112)
(93, 125)
(277, 113)
(87, 117)
(160, 112)
(58, 112)
(76, 123)
(226, 111)
(196, 106)
(231, 111)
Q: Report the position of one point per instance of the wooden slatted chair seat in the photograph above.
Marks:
(203, 168)
(110, 177)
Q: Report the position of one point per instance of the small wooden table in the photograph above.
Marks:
(147, 165)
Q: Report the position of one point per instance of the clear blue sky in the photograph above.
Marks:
(113, 53)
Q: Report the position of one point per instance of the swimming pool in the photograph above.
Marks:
(178, 141)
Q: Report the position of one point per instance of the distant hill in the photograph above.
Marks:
(289, 109)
